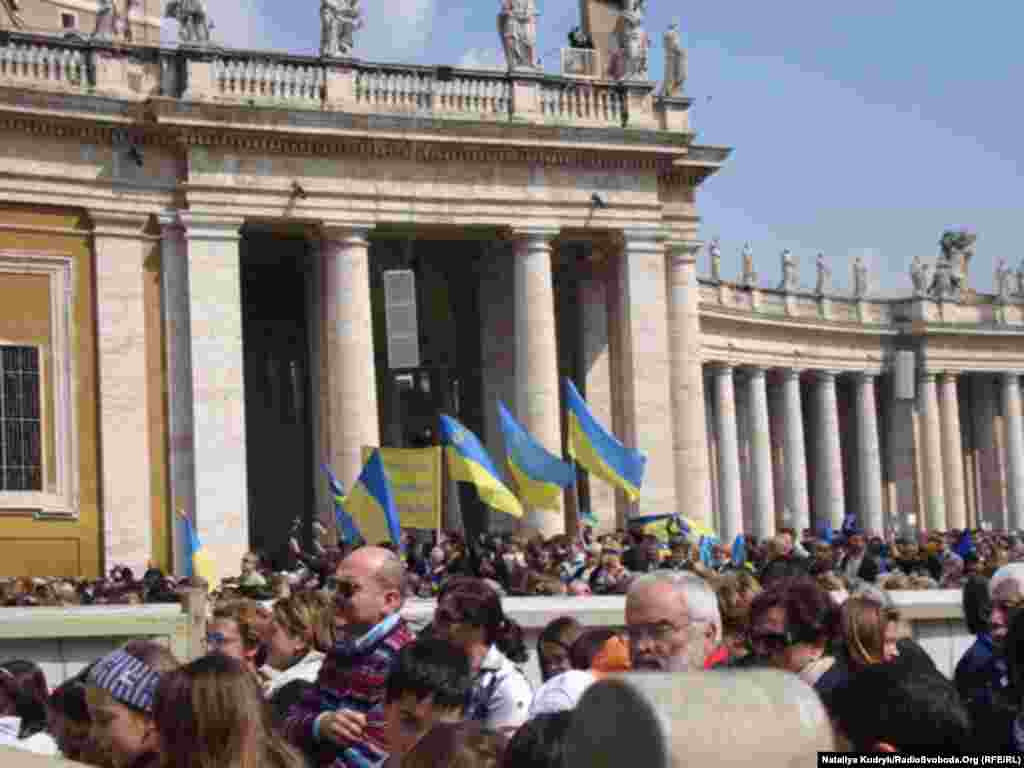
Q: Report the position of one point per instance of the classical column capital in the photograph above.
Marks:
(109, 223)
(755, 371)
(721, 368)
(865, 377)
(644, 240)
(170, 223)
(927, 377)
(825, 376)
(354, 233)
(946, 376)
(683, 251)
(789, 374)
(1010, 377)
(204, 227)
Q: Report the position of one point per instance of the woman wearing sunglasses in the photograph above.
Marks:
(790, 626)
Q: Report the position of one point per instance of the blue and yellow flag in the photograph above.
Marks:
(372, 505)
(469, 463)
(348, 532)
(198, 561)
(597, 451)
(540, 477)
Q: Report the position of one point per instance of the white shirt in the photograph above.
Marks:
(501, 694)
(41, 743)
(307, 668)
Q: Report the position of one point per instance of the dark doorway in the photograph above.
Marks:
(277, 391)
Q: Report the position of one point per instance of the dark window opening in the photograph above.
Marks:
(21, 462)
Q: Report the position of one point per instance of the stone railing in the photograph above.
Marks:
(269, 79)
(50, 65)
(581, 62)
(483, 95)
(576, 103)
(266, 79)
(796, 305)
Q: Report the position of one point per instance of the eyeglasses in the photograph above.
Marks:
(217, 639)
(659, 632)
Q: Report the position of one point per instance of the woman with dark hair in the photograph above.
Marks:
(23, 695)
(790, 626)
(554, 644)
(469, 616)
(211, 713)
(972, 671)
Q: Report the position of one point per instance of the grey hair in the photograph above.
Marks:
(1013, 572)
(701, 600)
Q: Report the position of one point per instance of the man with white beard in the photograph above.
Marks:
(673, 622)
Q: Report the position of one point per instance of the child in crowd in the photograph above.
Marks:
(120, 690)
(239, 629)
(23, 696)
(210, 713)
(429, 684)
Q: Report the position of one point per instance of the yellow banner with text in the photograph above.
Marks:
(415, 478)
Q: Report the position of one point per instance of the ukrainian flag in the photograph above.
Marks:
(597, 450)
(372, 505)
(199, 562)
(469, 463)
(540, 477)
(348, 532)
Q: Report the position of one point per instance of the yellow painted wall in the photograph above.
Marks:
(54, 547)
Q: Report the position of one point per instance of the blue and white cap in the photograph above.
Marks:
(128, 680)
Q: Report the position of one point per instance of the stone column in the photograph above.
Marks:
(351, 362)
(728, 455)
(871, 517)
(902, 461)
(687, 378)
(952, 454)
(830, 493)
(218, 388)
(537, 396)
(177, 328)
(933, 490)
(638, 314)
(121, 249)
(1014, 450)
(760, 456)
(796, 457)
(989, 460)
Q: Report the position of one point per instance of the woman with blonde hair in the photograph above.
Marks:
(869, 631)
(211, 713)
(735, 591)
(301, 631)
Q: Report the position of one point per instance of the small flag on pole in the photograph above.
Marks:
(371, 499)
(347, 530)
(469, 462)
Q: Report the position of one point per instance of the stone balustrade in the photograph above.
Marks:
(227, 76)
(482, 95)
(265, 79)
(43, 65)
(575, 102)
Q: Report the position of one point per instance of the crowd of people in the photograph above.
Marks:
(317, 666)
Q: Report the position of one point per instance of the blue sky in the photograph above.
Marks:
(863, 128)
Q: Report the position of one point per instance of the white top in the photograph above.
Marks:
(41, 743)
(562, 692)
(307, 668)
(501, 694)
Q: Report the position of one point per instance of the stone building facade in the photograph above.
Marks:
(193, 312)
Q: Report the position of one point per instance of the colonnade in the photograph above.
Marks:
(967, 450)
